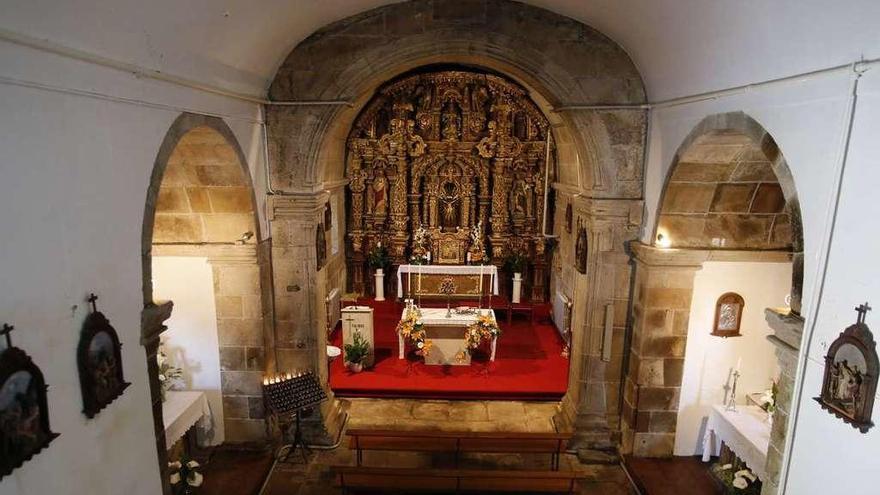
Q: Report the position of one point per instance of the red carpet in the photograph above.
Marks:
(528, 365)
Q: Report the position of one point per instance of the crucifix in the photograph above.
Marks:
(862, 310)
(92, 299)
(7, 329)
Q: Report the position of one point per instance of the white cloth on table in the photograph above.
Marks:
(436, 317)
(491, 270)
(181, 410)
(745, 431)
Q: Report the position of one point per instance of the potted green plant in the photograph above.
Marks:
(378, 260)
(355, 352)
(514, 264)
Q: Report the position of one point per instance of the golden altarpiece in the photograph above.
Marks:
(446, 151)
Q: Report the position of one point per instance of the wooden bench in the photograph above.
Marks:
(458, 442)
(455, 480)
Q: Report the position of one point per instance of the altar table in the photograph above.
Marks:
(746, 431)
(181, 411)
(467, 278)
(447, 336)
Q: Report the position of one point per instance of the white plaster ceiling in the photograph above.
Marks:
(680, 46)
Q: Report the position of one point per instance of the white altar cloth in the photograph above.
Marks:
(746, 431)
(491, 270)
(436, 317)
(181, 410)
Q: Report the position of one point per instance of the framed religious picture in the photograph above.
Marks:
(581, 249)
(851, 368)
(99, 359)
(728, 315)
(568, 215)
(24, 412)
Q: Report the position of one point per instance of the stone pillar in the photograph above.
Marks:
(300, 335)
(663, 291)
(594, 407)
(152, 325)
(788, 330)
(238, 298)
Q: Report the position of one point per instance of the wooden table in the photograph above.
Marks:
(447, 336)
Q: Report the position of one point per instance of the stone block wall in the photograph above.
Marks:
(723, 193)
(661, 309)
(238, 298)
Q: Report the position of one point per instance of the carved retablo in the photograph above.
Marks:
(448, 150)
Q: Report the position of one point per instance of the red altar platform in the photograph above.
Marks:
(528, 366)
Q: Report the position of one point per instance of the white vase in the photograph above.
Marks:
(356, 367)
(380, 284)
(517, 288)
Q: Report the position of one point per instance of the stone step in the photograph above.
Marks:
(598, 456)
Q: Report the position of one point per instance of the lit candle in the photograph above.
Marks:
(288, 376)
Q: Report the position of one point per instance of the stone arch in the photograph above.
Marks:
(739, 151)
(155, 313)
(559, 60)
(182, 126)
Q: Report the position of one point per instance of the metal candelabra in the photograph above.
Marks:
(731, 400)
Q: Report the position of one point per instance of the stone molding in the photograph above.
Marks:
(654, 256)
(216, 253)
(299, 206)
(788, 327)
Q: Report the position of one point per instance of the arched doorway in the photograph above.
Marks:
(727, 235)
(200, 248)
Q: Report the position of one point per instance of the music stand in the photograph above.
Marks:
(290, 394)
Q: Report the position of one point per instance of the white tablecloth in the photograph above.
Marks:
(448, 270)
(746, 431)
(436, 317)
(183, 409)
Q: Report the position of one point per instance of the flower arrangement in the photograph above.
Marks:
(412, 330)
(738, 482)
(515, 261)
(184, 476)
(421, 241)
(169, 375)
(484, 328)
(768, 399)
(476, 250)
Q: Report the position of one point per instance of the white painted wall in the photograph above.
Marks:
(710, 360)
(191, 341)
(74, 174)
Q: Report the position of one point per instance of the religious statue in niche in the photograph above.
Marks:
(728, 315)
(450, 202)
(99, 358)
(24, 412)
(451, 121)
(320, 247)
(581, 249)
(851, 368)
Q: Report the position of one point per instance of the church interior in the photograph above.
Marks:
(438, 246)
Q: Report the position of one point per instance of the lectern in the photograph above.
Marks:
(359, 319)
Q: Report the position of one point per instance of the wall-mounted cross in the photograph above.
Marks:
(92, 299)
(7, 329)
(862, 309)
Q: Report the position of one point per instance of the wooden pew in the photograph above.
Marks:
(455, 480)
(458, 442)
